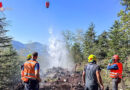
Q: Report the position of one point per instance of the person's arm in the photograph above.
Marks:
(37, 72)
(83, 77)
(112, 67)
(99, 79)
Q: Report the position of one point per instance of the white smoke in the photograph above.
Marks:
(59, 56)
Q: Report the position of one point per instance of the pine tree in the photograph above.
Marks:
(124, 15)
(116, 41)
(8, 59)
(76, 53)
(102, 45)
(125, 29)
(89, 41)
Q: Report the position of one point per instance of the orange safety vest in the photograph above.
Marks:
(29, 70)
(117, 73)
(22, 73)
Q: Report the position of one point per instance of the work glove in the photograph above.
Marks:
(110, 61)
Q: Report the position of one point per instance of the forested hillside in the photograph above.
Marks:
(115, 40)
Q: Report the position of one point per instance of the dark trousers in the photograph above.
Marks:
(115, 82)
(32, 85)
(91, 87)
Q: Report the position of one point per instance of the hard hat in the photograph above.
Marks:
(29, 56)
(91, 58)
(116, 57)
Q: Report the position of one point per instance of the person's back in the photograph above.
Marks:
(90, 76)
(31, 77)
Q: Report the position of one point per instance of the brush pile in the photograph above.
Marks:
(59, 79)
(62, 79)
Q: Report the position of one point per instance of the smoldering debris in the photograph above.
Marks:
(58, 78)
(61, 79)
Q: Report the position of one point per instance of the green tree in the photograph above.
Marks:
(77, 53)
(89, 44)
(126, 3)
(79, 37)
(102, 45)
(116, 40)
(68, 38)
(124, 15)
(74, 43)
(8, 59)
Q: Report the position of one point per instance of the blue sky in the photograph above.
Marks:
(30, 21)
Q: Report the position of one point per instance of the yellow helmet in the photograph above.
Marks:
(91, 58)
(29, 56)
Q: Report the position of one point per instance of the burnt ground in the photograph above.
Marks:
(59, 79)
(62, 79)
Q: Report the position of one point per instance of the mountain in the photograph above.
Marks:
(17, 45)
(24, 49)
(36, 46)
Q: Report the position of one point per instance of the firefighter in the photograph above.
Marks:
(31, 77)
(29, 56)
(115, 68)
(91, 75)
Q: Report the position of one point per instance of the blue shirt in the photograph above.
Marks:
(112, 67)
(37, 66)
